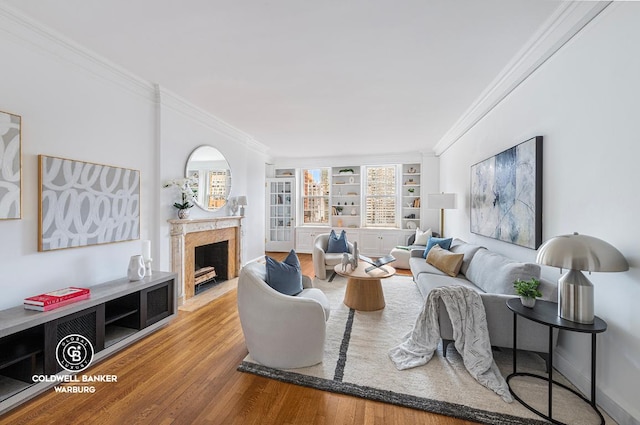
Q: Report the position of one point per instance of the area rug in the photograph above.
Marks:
(356, 362)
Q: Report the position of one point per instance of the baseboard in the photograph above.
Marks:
(583, 383)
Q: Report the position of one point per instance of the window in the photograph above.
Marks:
(219, 181)
(381, 196)
(315, 196)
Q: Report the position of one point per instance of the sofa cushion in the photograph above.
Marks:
(443, 243)
(445, 261)
(337, 244)
(422, 237)
(495, 273)
(427, 281)
(285, 277)
(419, 266)
(461, 247)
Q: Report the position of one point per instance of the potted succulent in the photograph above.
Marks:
(528, 291)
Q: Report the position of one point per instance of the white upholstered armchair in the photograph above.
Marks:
(281, 331)
(322, 260)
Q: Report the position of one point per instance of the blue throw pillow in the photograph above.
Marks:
(443, 243)
(338, 244)
(285, 277)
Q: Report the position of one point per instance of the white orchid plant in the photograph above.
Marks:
(185, 185)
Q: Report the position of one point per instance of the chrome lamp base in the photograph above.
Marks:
(575, 297)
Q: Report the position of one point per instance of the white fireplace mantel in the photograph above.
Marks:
(182, 227)
(182, 238)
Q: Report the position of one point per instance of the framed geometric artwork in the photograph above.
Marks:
(506, 195)
(10, 166)
(82, 204)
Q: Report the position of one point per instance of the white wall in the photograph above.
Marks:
(76, 105)
(183, 128)
(584, 102)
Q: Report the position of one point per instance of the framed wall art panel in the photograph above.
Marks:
(10, 166)
(506, 195)
(82, 204)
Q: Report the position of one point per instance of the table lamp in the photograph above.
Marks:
(579, 253)
(441, 201)
(242, 202)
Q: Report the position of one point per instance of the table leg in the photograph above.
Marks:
(515, 337)
(364, 295)
(550, 370)
(593, 370)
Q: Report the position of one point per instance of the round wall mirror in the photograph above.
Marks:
(210, 177)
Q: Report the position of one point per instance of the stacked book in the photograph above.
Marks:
(56, 299)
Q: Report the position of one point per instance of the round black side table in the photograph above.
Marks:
(546, 313)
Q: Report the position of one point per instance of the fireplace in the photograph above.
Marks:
(211, 265)
(204, 251)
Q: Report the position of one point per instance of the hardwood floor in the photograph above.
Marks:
(186, 374)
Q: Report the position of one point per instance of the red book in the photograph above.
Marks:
(59, 304)
(55, 297)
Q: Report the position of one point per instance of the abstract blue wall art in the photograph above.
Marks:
(83, 204)
(506, 195)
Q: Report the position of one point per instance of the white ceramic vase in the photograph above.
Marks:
(183, 214)
(528, 301)
(136, 268)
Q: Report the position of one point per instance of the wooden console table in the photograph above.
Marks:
(118, 313)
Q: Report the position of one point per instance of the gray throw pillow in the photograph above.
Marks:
(285, 277)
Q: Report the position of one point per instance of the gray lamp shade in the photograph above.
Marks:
(581, 252)
(242, 200)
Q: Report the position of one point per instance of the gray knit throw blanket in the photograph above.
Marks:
(470, 334)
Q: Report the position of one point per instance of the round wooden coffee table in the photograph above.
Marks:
(364, 289)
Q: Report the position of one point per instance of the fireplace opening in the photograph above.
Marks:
(211, 263)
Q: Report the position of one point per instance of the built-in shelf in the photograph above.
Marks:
(345, 189)
(410, 199)
(114, 334)
(118, 313)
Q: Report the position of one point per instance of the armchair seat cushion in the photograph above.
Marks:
(332, 259)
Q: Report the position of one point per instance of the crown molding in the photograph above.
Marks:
(34, 34)
(175, 102)
(341, 160)
(566, 21)
(26, 30)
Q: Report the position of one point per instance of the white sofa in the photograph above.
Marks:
(281, 331)
(491, 275)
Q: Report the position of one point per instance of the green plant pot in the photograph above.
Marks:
(528, 301)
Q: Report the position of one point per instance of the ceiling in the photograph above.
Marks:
(311, 78)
